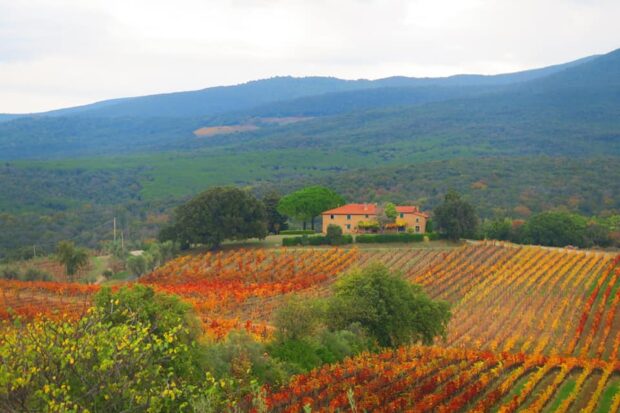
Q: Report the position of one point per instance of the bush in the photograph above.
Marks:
(297, 232)
(555, 229)
(303, 341)
(391, 310)
(240, 357)
(314, 240)
(386, 238)
(138, 264)
(291, 242)
(334, 234)
(299, 318)
(432, 236)
(35, 274)
(128, 353)
(10, 273)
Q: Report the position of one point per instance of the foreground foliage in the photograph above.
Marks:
(134, 351)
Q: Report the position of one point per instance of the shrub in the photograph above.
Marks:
(35, 274)
(138, 264)
(299, 318)
(130, 350)
(318, 240)
(240, 357)
(555, 229)
(297, 232)
(291, 242)
(386, 238)
(334, 234)
(314, 240)
(303, 342)
(392, 310)
(10, 273)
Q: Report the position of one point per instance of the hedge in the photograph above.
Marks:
(400, 237)
(314, 240)
(362, 239)
(297, 232)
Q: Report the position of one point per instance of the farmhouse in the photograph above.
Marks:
(356, 218)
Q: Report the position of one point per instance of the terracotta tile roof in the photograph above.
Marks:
(370, 209)
(353, 209)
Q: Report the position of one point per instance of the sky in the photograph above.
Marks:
(60, 53)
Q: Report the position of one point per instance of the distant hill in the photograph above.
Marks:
(573, 112)
(5, 117)
(565, 109)
(222, 99)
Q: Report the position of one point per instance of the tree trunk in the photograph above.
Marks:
(312, 223)
(304, 224)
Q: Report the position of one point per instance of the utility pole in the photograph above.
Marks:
(122, 242)
(34, 251)
(114, 229)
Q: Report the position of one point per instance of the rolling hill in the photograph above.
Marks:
(536, 140)
(164, 122)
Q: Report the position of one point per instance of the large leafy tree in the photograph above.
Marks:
(72, 257)
(555, 228)
(455, 217)
(276, 221)
(392, 310)
(221, 213)
(307, 203)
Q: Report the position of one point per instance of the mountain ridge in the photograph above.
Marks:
(297, 87)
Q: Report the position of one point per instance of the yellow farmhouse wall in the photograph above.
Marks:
(348, 223)
(417, 222)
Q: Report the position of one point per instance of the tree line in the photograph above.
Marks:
(228, 213)
(456, 218)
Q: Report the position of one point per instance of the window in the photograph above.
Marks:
(417, 228)
(348, 216)
(348, 226)
(402, 215)
(366, 215)
(417, 220)
(332, 216)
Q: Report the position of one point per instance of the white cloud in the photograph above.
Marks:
(56, 53)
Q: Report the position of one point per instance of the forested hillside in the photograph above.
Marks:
(371, 112)
(43, 206)
(512, 144)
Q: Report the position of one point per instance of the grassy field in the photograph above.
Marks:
(177, 174)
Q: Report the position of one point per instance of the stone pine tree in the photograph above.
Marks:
(455, 218)
(221, 213)
(307, 203)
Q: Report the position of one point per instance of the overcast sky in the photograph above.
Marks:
(58, 53)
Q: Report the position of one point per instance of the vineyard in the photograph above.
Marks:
(241, 289)
(533, 329)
